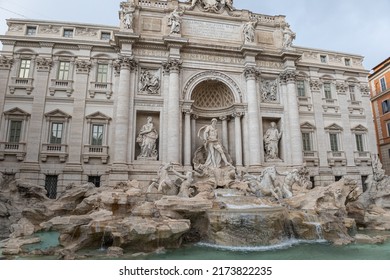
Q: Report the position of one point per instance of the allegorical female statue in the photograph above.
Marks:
(146, 139)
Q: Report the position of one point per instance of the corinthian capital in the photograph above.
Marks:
(251, 73)
(127, 62)
(288, 76)
(83, 66)
(6, 62)
(173, 65)
(44, 64)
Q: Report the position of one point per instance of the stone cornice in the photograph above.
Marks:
(175, 42)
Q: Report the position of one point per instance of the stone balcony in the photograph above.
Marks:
(91, 151)
(13, 149)
(100, 88)
(21, 83)
(337, 158)
(311, 158)
(305, 104)
(61, 85)
(54, 150)
(362, 158)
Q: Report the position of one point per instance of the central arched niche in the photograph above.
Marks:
(212, 95)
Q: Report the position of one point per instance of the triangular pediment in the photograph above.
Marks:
(307, 126)
(334, 127)
(359, 128)
(57, 114)
(98, 116)
(16, 112)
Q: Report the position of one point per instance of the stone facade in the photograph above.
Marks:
(379, 81)
(74, 98)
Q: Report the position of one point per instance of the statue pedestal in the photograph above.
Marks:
(147, 158)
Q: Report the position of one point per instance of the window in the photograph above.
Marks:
(51, 182)
(15, 131)
(359, 142)
(97, 135)
(323, 58)
(388, 129)
(31, 30)
(347, 62)
(352, 92)
(68, 33)
(301, 88)
(105, 36)
(306, 142)
(24, 71)
(102, 73)
(328, 91)
(383, 84)
(64, 70)
(334, 145)
(94, 180)
(56, 133)
(385, 106)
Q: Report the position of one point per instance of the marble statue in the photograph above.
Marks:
(128, 17)
(215, 152)
(288, 37)
(149, 83)
(265, 184)
(166, 185)
(147, 140)
(271, 142)
(174, 21)
(249, 31)
(213, 5)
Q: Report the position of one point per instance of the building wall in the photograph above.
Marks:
(380, 97)
(259, 79)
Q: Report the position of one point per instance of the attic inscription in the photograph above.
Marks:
(211, 30)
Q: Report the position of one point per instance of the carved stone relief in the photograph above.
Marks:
(269, 91)
(149, 81)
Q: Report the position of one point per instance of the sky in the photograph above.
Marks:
(351, 26)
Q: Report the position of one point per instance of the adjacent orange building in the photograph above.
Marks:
(380, 97)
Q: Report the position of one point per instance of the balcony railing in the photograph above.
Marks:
(61, 85)
(336, 157)
(93, 151)
(13, 149)
(54, 150)
(104, 88)
(21, 83)
(311, 157)
(362, 157)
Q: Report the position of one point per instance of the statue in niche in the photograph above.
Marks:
(149, 83)
(288, 37)
(269, 91)
(128, 17)
(214, 149)
(249, 31)
(147, 140)
(271, 142)
(174, 21)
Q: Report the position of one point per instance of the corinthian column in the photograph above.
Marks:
(238, 137)
(122, 114)
(187, 137)
(174, 113)
(254, 139)
(225, 141)
(295, 140)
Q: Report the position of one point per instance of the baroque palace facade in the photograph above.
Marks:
(81, 102)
